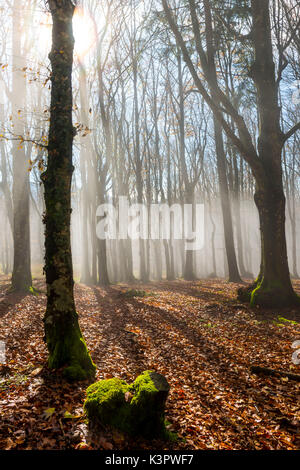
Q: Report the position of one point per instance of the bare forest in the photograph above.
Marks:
(150, 225)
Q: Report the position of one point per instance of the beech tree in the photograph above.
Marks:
(273, 285)
(21, 276)
(63, 336)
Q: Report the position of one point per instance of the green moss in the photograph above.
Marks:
(75, 373)
(136, 293)
(273, 295)
(70, 350)
(286, 320)
(150, 394)
(268, 295)
(136, 409)
(106, 403)
(34, 291)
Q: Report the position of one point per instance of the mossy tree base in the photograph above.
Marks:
(68, 349)
(268, 295)
(136, 409)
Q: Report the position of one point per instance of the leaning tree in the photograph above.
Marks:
(66, 345)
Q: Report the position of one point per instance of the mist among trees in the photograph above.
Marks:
(149, 162)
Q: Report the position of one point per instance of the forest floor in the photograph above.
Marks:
(195, 333)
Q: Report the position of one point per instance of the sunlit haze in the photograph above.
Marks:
(84, 28)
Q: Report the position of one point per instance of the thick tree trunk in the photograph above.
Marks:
(266, 163)
(62, 332)
(273, 287)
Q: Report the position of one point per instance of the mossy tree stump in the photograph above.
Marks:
(136, 409)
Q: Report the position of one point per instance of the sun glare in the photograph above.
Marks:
(85, 33)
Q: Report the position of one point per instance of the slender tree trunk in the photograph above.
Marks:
(85, 269)
(291, 205)
(63, 336)
(294, 238)
(234, 275)
(84, 151)
(5, 184)
(128, 247)
(21, 276)
(237, 213)
(188, 273)
(94, 244)
(102, 263)
(102, 244)
(213, 273)
(233, 271)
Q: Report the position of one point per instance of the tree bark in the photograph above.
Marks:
(233, 271)
(273, 286)
(62, 332)
(21, 276)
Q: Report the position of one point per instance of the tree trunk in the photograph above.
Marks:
(237, 213)
(21, 276)
(189, 274)
(62, 332)
(84, 156)
(273, 288)
(213, 273)
(102, 263)
(233, 271)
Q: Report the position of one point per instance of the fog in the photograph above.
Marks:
(142, 133)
